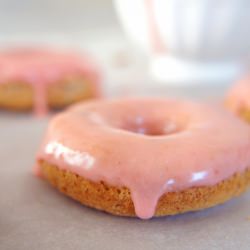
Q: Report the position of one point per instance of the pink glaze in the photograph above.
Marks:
(239, 95)
(42, 67)
(151, 146)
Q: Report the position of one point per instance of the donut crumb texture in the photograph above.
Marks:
(117, 200)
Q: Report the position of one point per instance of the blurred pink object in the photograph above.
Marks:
(238, 97)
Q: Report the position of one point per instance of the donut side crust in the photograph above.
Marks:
(117, 200)
(245, 114)
(19, 96)
(243, 111)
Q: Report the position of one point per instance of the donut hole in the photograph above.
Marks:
(151, 128)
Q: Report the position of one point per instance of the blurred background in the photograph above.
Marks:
(191, 48)
(90, 25)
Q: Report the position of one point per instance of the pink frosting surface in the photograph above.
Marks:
(239, 95)
(151, 146)
(42, 67)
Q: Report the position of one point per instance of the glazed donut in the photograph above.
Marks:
(146, 157)
(40, 78)
(238, 98)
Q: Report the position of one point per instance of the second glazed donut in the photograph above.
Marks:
(238, 98)
(42, 78)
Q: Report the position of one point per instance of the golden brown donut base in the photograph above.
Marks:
(19, 96)
(117, 200)
(241, 111)
(245, 114)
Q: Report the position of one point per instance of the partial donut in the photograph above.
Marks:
(238, 98)
(42, 78)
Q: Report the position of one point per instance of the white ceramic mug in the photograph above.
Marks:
(190, 41)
